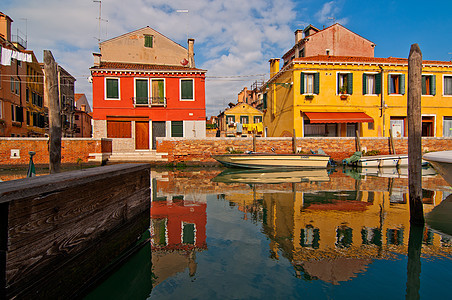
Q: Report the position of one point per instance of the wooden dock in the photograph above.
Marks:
(59, 232)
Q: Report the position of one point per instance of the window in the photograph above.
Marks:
(257, 119)
(345, 83)
(397, 126)
(447, 86)
(141, 91)
(309, 83)
(371, 84)
(230, 120)
(396, 84)
(148, 41)
(186, 89)
(119, 129)
(13, 113)
(17, 84)
(188, 233)
(158, 91)
(112, 88)
(447, 127)
(83, 107)
(244, 119)
(12, 85)
(429, 85)
(177, 128)
(428, 126)
(264, 101)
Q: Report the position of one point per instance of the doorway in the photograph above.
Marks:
(142, 135)
(158, 130)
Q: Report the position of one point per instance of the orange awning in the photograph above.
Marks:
(338, 117)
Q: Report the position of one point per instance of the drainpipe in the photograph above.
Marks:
(383, 104)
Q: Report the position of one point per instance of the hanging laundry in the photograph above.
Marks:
(6, 57)
(14, 54)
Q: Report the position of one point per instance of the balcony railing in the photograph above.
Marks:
(149, 101)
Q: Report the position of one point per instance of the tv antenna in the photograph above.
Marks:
(100, 18)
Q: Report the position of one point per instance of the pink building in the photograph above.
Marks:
(334, 40)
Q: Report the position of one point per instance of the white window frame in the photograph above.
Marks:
(337, 80)
(180, 89)
(305, 83)
(164, 87)
(444, 85)
(194, 233)
(389, 85)
(444, 120)
(434, 122)
(375, 82)
(119, 88)
(135, 91)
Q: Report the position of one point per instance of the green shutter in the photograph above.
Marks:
(161, 90)
(433, 85)
(244, 118)
(402, 84)
(378, 83)
(112, 88)
(148, 41)
(141, 91)
(364, 83)
(316, 83)
(350, 83)
(187, 89)
(264, 101)
(188, 234)
(177, 129)
(424, 85)
(390, 88)
(301, 83)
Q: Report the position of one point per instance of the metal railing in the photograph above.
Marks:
(149, 101)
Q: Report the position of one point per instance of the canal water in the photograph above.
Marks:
(324, 234)
(335, 234)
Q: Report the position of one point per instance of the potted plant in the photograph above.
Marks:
(343, 92)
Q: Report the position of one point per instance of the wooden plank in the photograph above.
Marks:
(142, 135)
(51, 232)
(414, 135)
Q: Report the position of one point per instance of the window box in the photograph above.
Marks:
(344, 96)
(309, 97)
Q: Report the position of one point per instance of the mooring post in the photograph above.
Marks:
(294, 142)
(391, 141)
(52, 95)
(254, 141)
(357, 141)
(414, 135)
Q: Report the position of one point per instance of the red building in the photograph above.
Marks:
(146, 86)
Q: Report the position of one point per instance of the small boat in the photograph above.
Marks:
(273, 175)
(442, 162)
(383, 161)
(273, 160)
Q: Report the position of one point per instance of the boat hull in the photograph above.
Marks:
(383, 161)
(258, 161)
(442, 162)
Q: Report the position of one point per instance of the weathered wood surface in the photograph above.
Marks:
(52, 94)
(414, 135)
(71, 225)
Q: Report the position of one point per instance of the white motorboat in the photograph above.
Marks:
(442, 162)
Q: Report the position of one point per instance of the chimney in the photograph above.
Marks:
(298, 35)
(97, 57)
(274, 66)
(5, 26)
(191, 53)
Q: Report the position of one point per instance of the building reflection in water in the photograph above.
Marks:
(330, 229)
(333, 230)
(178, 230)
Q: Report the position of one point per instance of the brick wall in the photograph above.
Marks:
(199, 150)
(72, 149)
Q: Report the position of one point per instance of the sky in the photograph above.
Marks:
(234, 39)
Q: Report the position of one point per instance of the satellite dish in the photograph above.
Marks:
(184, 62)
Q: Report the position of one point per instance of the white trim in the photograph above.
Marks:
(337, 81)
(446, 75)
(180, 89)
(434, 122)
(389, 85)
(375, 82)
(182, 233)
(105, 88)
(164, 86)
(135, 90)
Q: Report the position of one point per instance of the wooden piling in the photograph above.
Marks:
(254, 141)
(414, 135)
(391, 141)
(294, 142)
(52, 94)
(357, 141)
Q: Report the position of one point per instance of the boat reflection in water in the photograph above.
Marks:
(274, 175)
(234, 235)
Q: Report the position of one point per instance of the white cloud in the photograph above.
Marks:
(232, 37)
(329, 13)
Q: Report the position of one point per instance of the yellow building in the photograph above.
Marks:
(335, 96)
(240, 119)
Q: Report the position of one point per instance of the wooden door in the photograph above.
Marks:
(158, 130)
(141, 135)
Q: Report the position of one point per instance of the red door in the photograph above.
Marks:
(141, 135)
